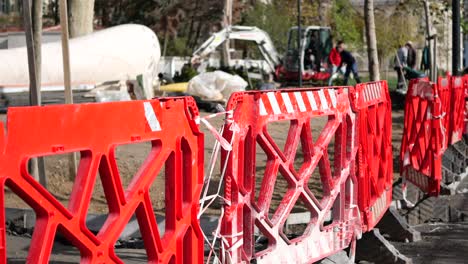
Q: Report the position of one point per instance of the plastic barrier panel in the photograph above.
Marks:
(457, 110)
(95, 130)
(371, 102)
(424, 137)
(252, 229)
(465, 88)
(444, 89)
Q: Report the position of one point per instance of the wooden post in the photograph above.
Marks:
(67, 73)
(36, 165)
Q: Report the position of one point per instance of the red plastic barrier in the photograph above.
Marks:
(371, 102)
(465, 88)
(457, 109)
(252, 112)
(425, 137)
(95, 130)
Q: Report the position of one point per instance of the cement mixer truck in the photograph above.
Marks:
(115, 54)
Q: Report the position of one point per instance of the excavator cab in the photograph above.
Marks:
(315, 47)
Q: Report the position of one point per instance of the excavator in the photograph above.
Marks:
(311, 58)
(260, 37)
(312, 55)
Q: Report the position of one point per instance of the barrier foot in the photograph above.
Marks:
(373, 247)
(454, 168)
(445, 208)
(422, 209)
(397, 228)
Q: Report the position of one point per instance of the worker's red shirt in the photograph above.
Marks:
(335, 57)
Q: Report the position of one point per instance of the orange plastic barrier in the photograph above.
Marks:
(95, 130)
(371, 102)
(425, 136)
(334, 218)
(434, 120)
(444, 91)
(457, 109)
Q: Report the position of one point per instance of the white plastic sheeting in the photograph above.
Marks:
(216, 85)
(118, 53)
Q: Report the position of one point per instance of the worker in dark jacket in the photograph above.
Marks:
(351, 65)
(401, 61)
(411, 60)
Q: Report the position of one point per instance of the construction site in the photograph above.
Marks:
(282, 131)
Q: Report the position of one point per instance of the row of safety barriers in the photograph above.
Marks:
(356, 182)
(434, 120)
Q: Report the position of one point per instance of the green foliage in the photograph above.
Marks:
(187, 73)
(395, 30)
(464, 26)
(273, 19)
(347, 24)
(10, 20)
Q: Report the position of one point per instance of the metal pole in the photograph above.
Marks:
(36, 165)
(67, 73)
(299, 41)
(456, 37)
(227, 23)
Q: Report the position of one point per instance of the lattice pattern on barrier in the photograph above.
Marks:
(95, 130)
(334, 218)
(371, 102)
(425, 136)
(444, 89)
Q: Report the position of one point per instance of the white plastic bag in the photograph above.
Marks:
(216, 85)
(105, 96)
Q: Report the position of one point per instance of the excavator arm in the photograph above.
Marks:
(260, 37)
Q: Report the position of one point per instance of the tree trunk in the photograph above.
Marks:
(197, 35)
(456, 38)
(371, 39)
(105, 14)
(166, 41)
(54, 9)
(227, 23)
(32, 14)
(191, 28)
(324, 12)
(37, 37)
(81, 17)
